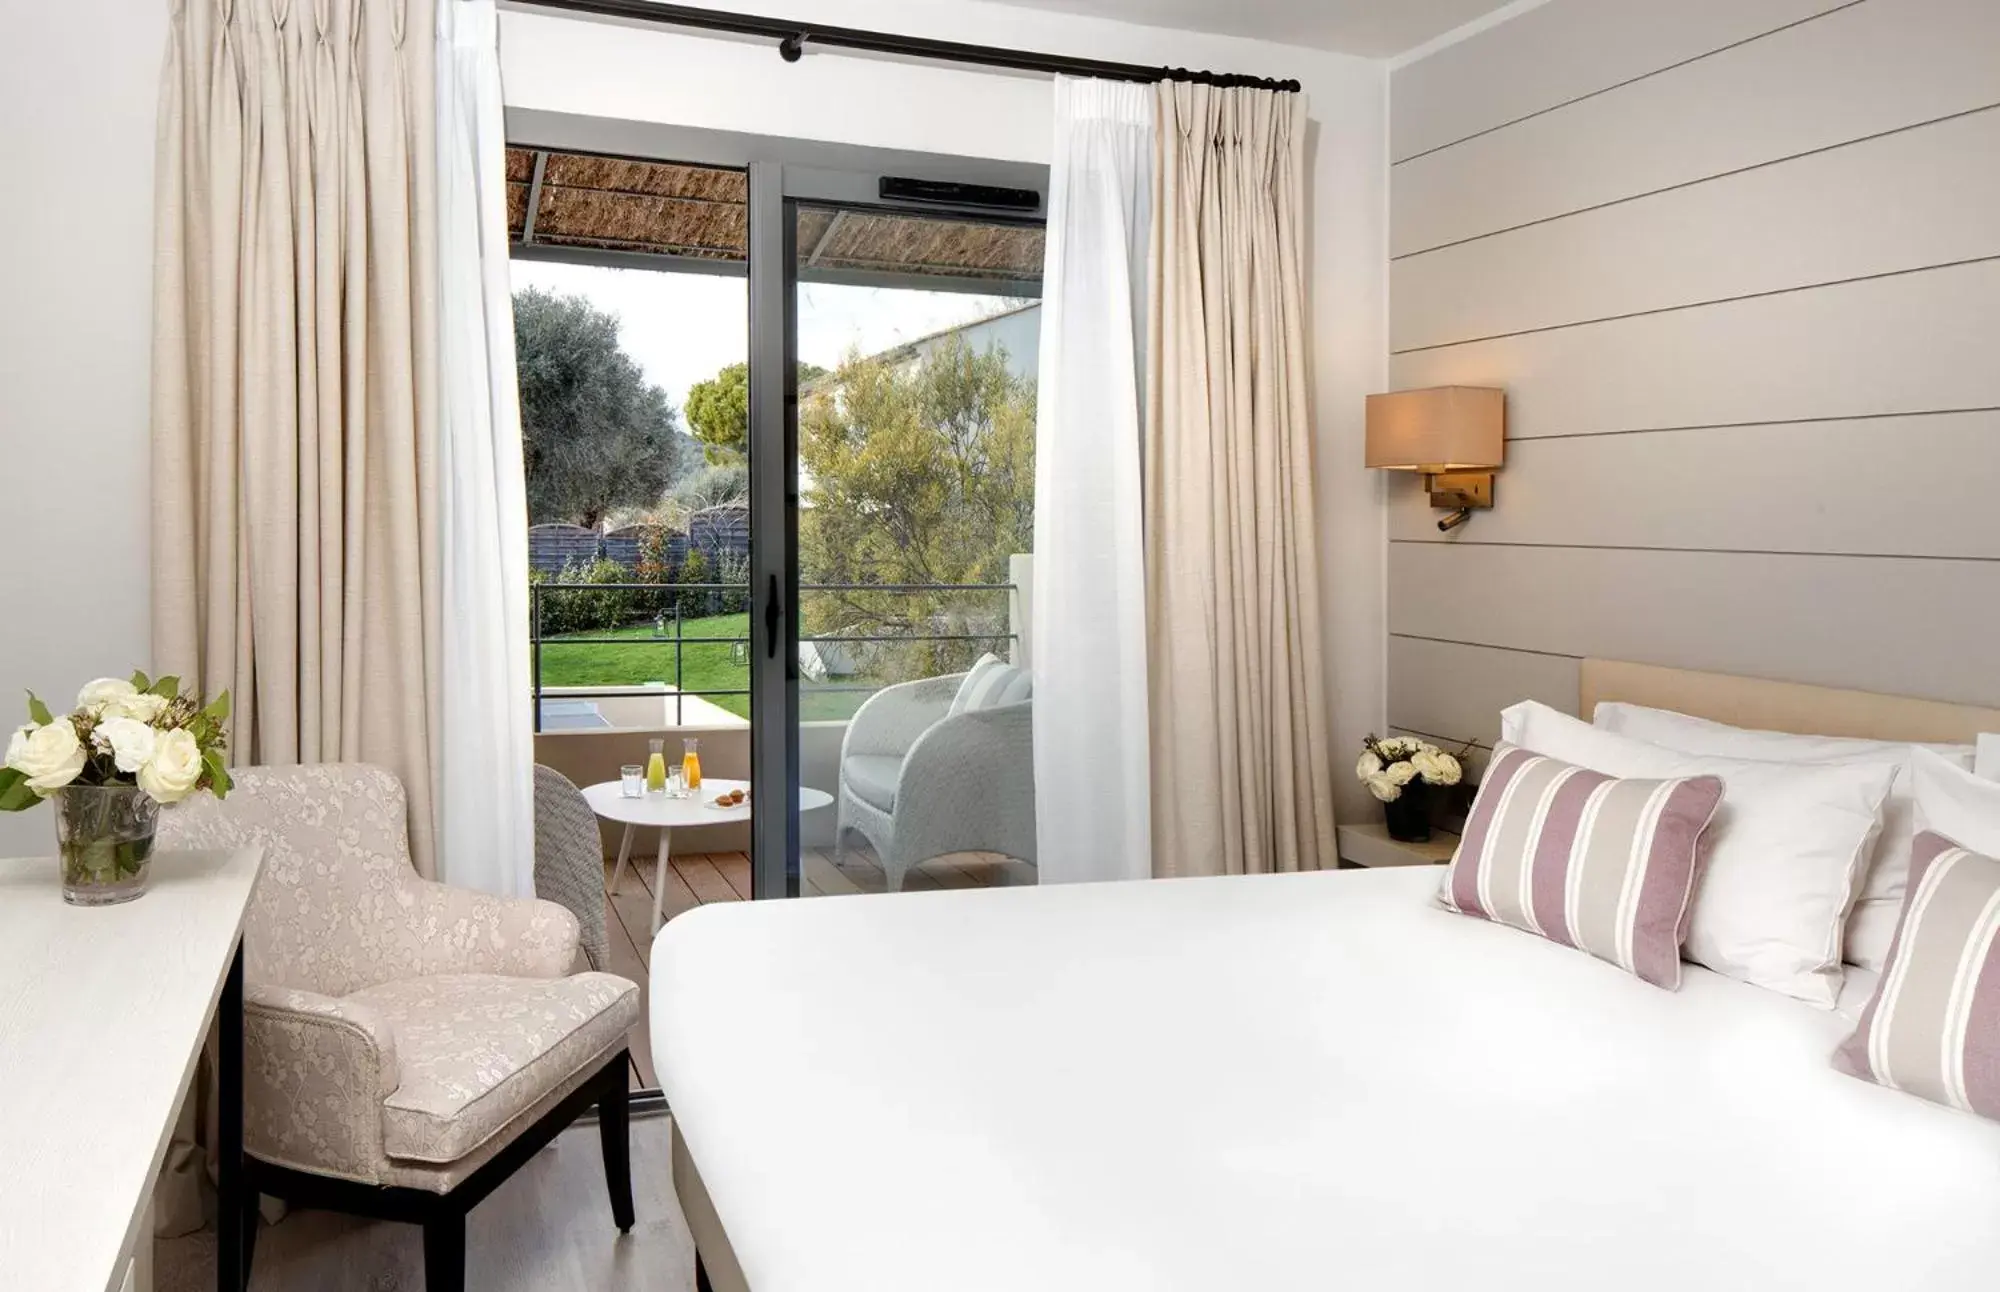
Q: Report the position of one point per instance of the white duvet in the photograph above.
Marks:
(1310, 1081)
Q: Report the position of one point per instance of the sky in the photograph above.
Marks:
(682, 328)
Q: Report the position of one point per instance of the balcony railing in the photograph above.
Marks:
(679, 640)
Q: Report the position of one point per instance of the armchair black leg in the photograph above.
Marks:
(443, 1215)
(444, 1252)
(614, 1132)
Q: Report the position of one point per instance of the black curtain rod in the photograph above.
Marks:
(793, 36)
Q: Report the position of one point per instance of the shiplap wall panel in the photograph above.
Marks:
(1904, 344)
(1877, 485)
(1755, 416)
(1905, 627)
(1455, 692)
(1561, 52)
(1856, 72)
(1910, 200)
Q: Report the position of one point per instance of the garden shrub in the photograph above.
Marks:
(565, 611)
(695, 602)
(733, 568)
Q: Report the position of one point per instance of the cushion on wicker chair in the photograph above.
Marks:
(475, 1050)
(873, 777)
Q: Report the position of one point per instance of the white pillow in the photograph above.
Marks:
(1957, 804)
(1986, 763)
(1878, 904)
(1782, 851)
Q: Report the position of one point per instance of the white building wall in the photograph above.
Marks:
(1017, 334)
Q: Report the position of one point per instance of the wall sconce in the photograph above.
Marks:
(1455, 435)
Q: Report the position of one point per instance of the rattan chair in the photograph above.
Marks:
(569, 859)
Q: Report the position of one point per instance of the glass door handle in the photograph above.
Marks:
(773, 618)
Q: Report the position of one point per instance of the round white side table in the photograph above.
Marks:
(664, 814)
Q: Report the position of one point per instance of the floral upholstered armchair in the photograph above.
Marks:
(406, 1044)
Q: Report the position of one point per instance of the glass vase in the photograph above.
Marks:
(104, 834)
(1409, 816)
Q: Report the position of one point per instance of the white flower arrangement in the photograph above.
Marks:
(139, 732)
(1388, 764)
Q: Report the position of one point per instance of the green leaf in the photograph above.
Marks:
(169, 686)
(218, 775)
(15, 794)
(219, 710)
(38, 713)
(140, 681)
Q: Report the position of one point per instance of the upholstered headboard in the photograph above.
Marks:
(1781, 706)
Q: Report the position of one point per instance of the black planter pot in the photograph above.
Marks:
(1409, 817)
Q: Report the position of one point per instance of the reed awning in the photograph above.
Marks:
(626, 211)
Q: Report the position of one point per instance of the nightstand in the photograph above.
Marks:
(1370, 845)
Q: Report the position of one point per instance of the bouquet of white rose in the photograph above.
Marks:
(140, 732)
(1388, 765)
(127, 748)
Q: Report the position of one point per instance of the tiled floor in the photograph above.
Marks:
(701, 878)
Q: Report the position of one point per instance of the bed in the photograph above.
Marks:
(1300, 1081)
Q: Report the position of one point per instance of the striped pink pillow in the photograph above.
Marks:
(1933, 1027)
(1583, 859)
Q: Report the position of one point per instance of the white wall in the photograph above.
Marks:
(568, 65)
(1737, 263)
(77, 87)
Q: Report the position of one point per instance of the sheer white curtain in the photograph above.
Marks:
(486, 754)
(1088, 622)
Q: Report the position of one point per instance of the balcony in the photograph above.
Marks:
(660, 668)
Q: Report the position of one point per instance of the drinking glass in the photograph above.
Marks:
(631, 781)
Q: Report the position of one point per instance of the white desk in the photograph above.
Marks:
(102, 1013)
(607, 799)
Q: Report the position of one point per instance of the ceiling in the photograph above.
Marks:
(1372, 28)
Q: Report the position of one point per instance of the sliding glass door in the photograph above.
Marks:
(899, 395)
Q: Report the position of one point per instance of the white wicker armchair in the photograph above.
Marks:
(918, 781)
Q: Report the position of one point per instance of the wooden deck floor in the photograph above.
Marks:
(701, 878)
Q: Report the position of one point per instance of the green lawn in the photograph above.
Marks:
(705, 666)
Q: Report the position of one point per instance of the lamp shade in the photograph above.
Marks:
(1442, 428)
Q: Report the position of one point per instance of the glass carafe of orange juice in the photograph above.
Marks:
(656, 767)
(691, 763)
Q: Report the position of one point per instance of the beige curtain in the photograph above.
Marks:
(1241, 776)
(294, 401)
(295, 428)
